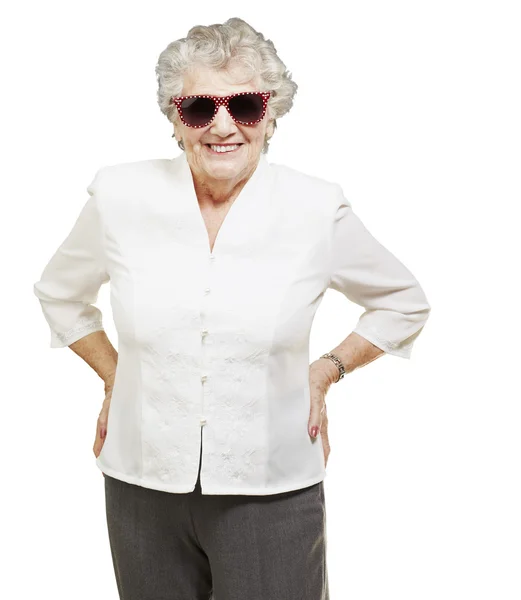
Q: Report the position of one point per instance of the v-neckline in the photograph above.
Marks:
(245, 196)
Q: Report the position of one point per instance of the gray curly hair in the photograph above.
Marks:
(222, 46)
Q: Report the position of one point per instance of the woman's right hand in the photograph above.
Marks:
(101, 426)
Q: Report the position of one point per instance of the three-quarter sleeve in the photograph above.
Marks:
(368, 274)
(70, 282)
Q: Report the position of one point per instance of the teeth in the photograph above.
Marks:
(224, 148)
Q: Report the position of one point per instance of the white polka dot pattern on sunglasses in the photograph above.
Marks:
(221, 101)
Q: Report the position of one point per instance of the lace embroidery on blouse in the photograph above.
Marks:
(82, 325)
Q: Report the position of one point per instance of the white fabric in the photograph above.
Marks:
(217, 344)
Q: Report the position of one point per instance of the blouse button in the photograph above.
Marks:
(204, 377)
(204, 332)
(212, 257)
(207, 290)
(203, 421)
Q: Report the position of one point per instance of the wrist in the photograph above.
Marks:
(330, 370)
(109, 382)
(337, 364)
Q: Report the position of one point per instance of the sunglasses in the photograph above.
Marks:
(246, 108)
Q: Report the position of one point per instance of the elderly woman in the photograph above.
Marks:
(212, 436)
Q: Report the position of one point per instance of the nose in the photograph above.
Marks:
(223, 124)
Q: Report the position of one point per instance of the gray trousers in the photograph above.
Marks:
(168, 546)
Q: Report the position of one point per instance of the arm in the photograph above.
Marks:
(368, 274)
(97, 351)
(396, 308)
(69, 286)
(67, 290)
(354, 352)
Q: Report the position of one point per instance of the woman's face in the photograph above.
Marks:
(206, 164)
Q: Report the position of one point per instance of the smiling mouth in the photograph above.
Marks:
(209, 146)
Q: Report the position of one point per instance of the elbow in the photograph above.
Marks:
(425, 312)
(41, 291)
(419, 308)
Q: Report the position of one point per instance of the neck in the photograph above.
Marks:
(218, 192)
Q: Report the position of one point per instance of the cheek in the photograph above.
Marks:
(192, 137)
(257, 138)
(195, 139)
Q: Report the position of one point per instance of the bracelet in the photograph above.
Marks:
(337, 362)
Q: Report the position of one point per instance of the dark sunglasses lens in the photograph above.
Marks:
(197, 111)
(246, 108)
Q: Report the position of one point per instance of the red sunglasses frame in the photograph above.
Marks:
(221, 101)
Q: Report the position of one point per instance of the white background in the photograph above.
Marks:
(423, 484)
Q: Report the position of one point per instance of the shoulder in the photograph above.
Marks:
(129, 176)
(317, 191)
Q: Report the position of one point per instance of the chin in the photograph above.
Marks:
(224, 173)
(226, 167)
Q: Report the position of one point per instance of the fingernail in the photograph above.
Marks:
(314, 431)
(103, 432)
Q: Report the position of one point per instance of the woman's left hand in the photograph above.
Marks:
(320, 379)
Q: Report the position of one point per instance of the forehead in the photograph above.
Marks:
(203, 80)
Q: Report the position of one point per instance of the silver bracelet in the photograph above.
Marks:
(337, 362)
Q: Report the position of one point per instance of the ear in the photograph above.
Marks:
(176, 128)
(178, 136)
(270, 129)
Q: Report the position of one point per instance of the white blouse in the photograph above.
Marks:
(213, 347)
